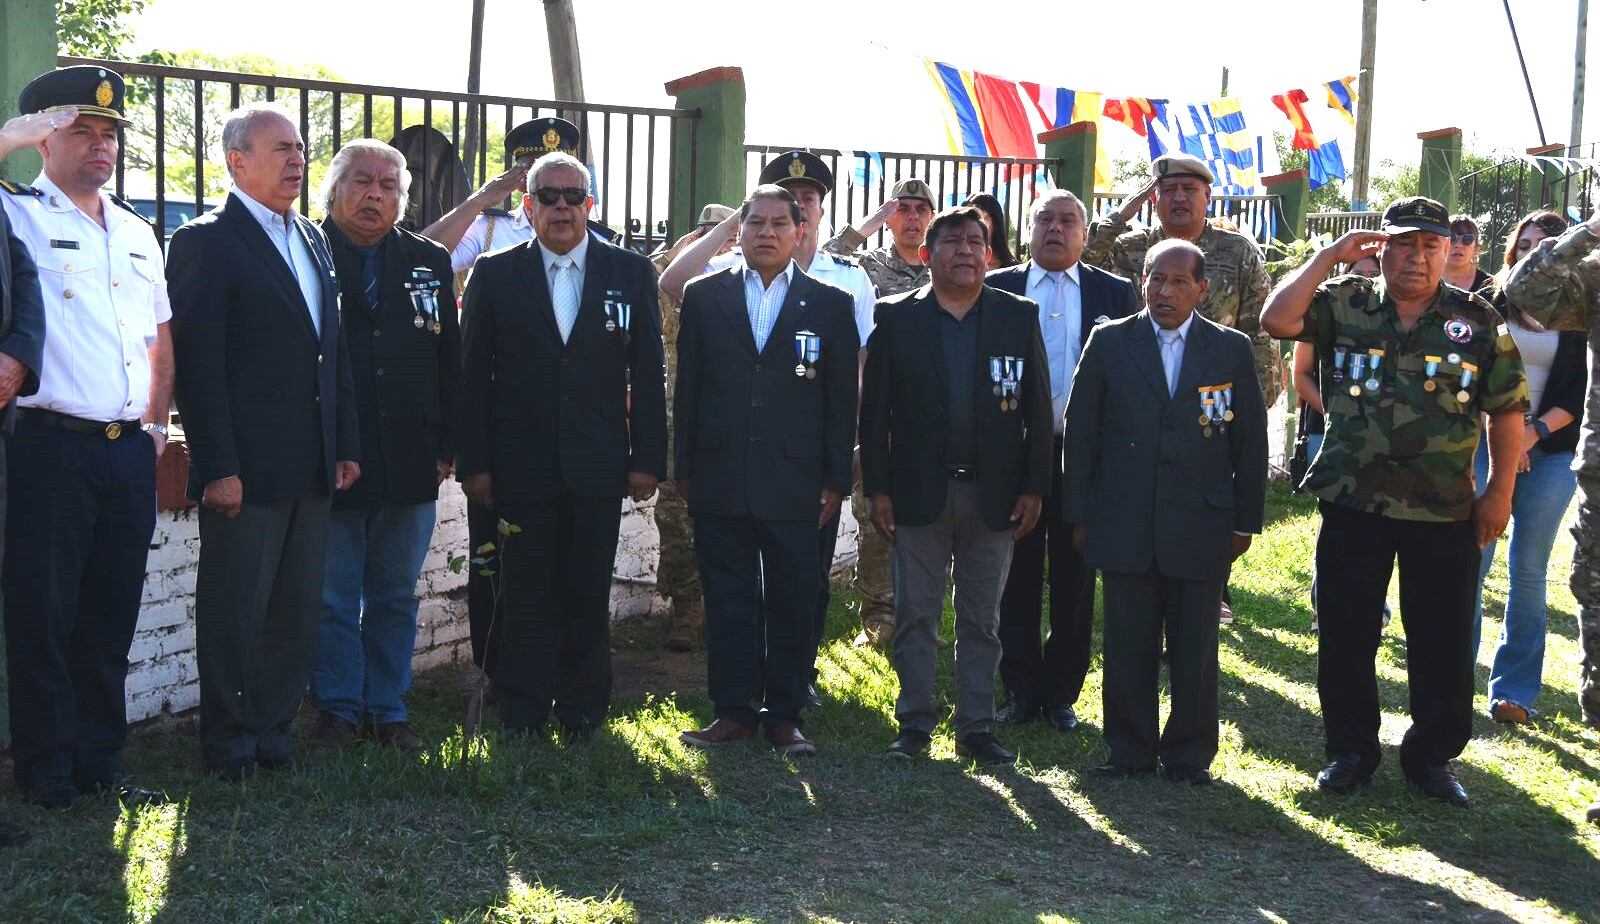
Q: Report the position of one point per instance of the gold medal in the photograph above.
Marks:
(1228, 415)
(1205, 420)
(1355, 391)
(1462, 396)
(1430, 385)
(437, 327)
(1005, 405)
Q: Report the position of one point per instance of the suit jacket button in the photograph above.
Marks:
(758, 367)
(319, 359)
(379, 372)
(317, 398)
(377, 333)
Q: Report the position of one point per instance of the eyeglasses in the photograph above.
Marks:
(1551, 225)
(550, 195)
(1464, 237)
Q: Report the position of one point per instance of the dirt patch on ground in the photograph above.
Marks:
(641, 663)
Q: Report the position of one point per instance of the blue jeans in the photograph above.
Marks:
(1541, 499)
(369, 610)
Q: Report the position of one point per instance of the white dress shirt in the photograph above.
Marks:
(294, 250)
(1061, 322)
(105, 290)
(835, 271)
(1177, 350)
(507, 232)
(763, 302)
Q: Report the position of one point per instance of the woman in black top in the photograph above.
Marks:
(1557, 385)
(1000, 255)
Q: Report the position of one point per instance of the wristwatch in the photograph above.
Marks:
(155, 427)
(1541, 428)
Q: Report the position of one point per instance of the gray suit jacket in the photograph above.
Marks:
(1150, 488)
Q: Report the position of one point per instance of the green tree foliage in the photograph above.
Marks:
(95, 28)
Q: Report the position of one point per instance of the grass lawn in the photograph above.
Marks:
(633, 826)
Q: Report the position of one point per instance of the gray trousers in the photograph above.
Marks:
(258, 600)
(922, 558)
(1138, 607)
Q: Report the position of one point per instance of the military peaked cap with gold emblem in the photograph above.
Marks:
(540, 137)
(1416, 213)
(798, 167)
(96, 91)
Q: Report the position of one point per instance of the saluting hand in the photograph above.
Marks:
(1136, 201)
(224, 495)
(1354, 245)
(503, 185)
(1026, 514)
(28, 130)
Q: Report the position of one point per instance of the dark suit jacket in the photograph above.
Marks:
(261, 395)
(755, 438)
(406, 377)
(903, 408)
(21, 315)
(1104, 294)
(546, 417)
(1140, 475)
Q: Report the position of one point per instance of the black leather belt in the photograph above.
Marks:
(963, 472)
(111, 430)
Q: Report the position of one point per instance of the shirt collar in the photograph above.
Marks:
(262, 214)
(745, 272)
(578, 255)
(1183, 329)
(58, 201)
(1037, 273)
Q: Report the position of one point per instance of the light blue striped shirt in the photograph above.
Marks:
(763, 304)
(294, 251)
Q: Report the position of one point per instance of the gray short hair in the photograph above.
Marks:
(1175, 243)
(346, 158)
(1052, 195)
(557, 159)
(241, 122)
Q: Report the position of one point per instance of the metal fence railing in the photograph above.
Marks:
(1334, 224)
(863, 180)
(1256, 216)
(1498, 196)
(172, 166)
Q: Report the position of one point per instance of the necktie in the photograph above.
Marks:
(369, 274)
(564, 294)
(1170, 359)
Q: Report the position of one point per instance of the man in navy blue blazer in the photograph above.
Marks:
(1044, 677)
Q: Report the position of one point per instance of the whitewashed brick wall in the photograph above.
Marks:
(161, 663)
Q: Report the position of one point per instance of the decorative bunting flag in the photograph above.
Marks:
(1342, 97)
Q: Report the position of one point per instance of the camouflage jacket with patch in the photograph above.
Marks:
(889, 272)
(1234, 268)
(670, 311)
(1404, 449)
(1557, 285)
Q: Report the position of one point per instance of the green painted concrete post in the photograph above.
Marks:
(27, 49)
(1073, 148)
(1543, 181)
(1293, 190)
(713, 143)
(1441, 166)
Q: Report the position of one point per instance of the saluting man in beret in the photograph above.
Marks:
(82, 480)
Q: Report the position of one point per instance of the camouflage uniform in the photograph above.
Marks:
(1557, 285)
(890, 275)
(677, 575)
(1395, 479)
(1238, 277)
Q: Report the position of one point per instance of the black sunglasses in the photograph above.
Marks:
(550, 195)
(1464, 237)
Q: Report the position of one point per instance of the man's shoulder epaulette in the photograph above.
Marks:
(496, 213)
(19, 189)
(129, 206)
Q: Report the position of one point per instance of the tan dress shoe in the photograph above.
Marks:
(721, 731)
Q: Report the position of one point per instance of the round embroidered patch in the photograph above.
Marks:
(1457, 330)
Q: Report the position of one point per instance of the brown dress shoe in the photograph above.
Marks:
(786, 737)
(398, 735)
(331, 733)
(688, 622)
(721, 731)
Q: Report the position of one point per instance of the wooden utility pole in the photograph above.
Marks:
(1369, 55)
(1224, 83)
(566, 67)
(1579, 63)
(469, 149)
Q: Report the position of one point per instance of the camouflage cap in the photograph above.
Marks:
(713, 214)
(913, 188)
(1180, 164)
(797, 167)
(1416, 213)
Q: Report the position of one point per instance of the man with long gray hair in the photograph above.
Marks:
(404, 343)
(268, 405)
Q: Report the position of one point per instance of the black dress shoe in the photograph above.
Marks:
(13, 836)
(128, 794)
(984, 748)
(233, 771)
(1194, 776)
(579, 732)
(1016, 711)
(911, 743)
(56, 796)
(813, 696)
(1121, 771)
(1063, 719)
(1439, 782)
(1344, 775)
